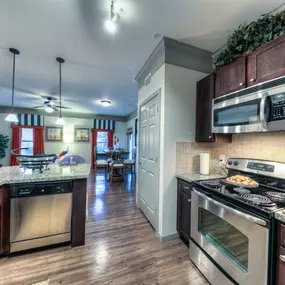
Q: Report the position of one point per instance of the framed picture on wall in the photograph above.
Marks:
(54, 134)
(81, 134)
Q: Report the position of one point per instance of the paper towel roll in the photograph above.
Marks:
(204, 163)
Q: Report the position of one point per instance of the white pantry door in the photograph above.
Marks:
(149, 160)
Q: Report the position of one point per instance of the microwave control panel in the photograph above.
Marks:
(277, 107)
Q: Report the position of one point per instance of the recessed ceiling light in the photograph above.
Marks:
(110, 26)
(105, 103)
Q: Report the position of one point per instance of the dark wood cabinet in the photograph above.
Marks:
(280, 261)
(266, 62)
(204, 100)
(231, 77)
(4, 220)
(183, 209)
(205, 95)
(281, 266)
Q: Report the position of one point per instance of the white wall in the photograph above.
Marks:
(81, 148)
(132, 124)
(120, 132)
(157, 82)
(5, 129)
(177, 123)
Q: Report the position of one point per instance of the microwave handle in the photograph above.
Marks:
(231, 210)
(263, 117)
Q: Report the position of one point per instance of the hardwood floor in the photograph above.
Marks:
(120, 249)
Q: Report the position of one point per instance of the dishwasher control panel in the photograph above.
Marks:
(39, 189)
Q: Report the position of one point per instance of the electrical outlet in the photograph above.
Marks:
(222, 158)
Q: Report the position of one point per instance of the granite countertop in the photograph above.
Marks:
(16, 174)
(196, 176)
(280, 216)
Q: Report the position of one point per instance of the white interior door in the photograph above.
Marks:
(148, 159)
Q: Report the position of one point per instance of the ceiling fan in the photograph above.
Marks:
(49, 105)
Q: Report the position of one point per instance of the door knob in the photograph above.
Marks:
(252, 79)
(189, 200)
(210, 137)
(241, 84)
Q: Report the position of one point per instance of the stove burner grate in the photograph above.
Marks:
(241, 190)
(212, 183)
(276, 196)
(257, 200)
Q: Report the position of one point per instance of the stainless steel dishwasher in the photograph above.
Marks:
(40, 214)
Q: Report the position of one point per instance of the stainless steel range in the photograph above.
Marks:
(233, 229)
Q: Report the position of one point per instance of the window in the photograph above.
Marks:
(102, 141)
(27, 141)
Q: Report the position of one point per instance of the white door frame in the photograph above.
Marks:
(153, 95)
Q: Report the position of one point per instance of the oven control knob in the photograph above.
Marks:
(236, 163)
(230, 162)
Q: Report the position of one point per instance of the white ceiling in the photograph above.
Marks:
(99, 65)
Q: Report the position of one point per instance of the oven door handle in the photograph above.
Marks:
(262, 111)
(231, 210)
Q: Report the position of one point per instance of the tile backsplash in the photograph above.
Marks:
(270, 146)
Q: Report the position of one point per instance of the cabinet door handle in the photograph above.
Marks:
(252, 79)
(241, 84)
(189, 200)
(185, 187)
(282, 258)
(210, 137)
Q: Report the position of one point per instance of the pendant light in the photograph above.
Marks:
(60, 120)
(12, 117)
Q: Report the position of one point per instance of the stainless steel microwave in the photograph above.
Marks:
(259, 108)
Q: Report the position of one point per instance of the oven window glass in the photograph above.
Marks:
(225, 237)
(240, 114)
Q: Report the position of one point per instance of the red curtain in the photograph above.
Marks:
(16, 142)
(110, 138)
(93, 144)
(38, 140)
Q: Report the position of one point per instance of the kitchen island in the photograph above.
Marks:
(36, 204)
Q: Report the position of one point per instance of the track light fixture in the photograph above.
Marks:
(110, 23)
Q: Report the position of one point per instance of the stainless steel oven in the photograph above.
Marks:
(236, 242)
(259, 108)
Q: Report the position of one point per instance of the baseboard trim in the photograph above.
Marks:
(168, 237)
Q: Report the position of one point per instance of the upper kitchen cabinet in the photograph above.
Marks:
(205, 95)
(204, 101)
(231, 77)
(266, 62)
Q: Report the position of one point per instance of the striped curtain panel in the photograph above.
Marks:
(108, 125)
(30, 120)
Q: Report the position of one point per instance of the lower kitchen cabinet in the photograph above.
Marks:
(281, 266)
(183, 209)
(4, 219)
(280, 280)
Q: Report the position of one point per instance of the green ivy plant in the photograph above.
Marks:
(248, 37)
(3, 145)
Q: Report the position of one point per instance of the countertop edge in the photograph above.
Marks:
(14, 176)
(196, 176)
